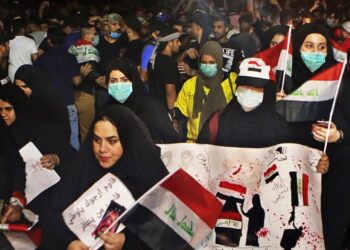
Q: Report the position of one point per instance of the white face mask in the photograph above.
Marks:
(248, 98)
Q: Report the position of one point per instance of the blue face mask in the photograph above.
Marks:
(114, 35)
(120, 90)
(96, 40)
(209, 70)
(314, 60)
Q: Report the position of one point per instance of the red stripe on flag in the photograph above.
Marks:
(269, 170)
(230, 216)
(182, 184)
(234, 187)
(36, 235)
(305, 190)
(329, 74)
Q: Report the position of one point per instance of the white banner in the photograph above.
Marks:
(97, 208)
(271, 195)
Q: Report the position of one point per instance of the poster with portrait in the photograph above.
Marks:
(97, 208)
(271, 195)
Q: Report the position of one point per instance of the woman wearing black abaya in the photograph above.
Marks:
(245, 124)
(335, 184)
(43, 103)
(12, 175)
(47, 137)
(117, 143)
(125, 88)
(312, 53)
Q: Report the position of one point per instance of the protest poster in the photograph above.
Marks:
(38, 179)
(271, 195)
(93, 210)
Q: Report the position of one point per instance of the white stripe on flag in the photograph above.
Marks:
(281, 62)
(176, 215)
(20, 241)
(314, 91)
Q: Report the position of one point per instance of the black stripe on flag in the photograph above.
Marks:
(268, 180)
(5, 243)
(152, 230)
(302, 111)
(294, 188)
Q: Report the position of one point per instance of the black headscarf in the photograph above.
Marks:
(127, 67)
(44, 102)
(139, 168)
(45, 135)
(12, 174)
(300, 73)
(261, 127)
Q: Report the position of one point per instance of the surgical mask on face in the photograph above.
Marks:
(209, 70)
(114, 35)
(120, 90)
(96, 40)
(314, 60)
(249, 99)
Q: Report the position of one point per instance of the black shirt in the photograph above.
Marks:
(232, 55)
(134, 51)
(165, 72)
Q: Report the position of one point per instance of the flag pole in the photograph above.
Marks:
(333, 106)
(286, 58)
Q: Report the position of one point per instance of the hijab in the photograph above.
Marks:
(127, 67)
(300, 72)
(260, 127)
(45, 135)
(215, 100)
(43, 102)
(140, 156)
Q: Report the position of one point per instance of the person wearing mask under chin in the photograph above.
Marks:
(205, 93)
(250, 119)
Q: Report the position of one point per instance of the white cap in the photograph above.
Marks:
(346, 26)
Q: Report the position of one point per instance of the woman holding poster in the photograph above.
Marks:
(117, 143)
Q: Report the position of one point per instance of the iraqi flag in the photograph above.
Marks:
(299, 186)
(176, 214)
(279, 58)
(271, 173)
(20, 240)
(312, 101)
(339, 52)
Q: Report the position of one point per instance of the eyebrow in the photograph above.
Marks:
(109, 137)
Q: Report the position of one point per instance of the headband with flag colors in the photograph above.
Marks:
(253, 72)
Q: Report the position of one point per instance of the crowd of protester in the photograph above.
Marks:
(96, 84)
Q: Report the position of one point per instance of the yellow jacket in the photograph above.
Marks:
(185, 101)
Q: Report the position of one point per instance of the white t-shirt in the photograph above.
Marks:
(21, 50)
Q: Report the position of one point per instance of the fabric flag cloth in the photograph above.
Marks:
(340, 53)
(275, 57)
(299, 185)
(312, 101)
(174, 214)
(271, 173)
(20, 240)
